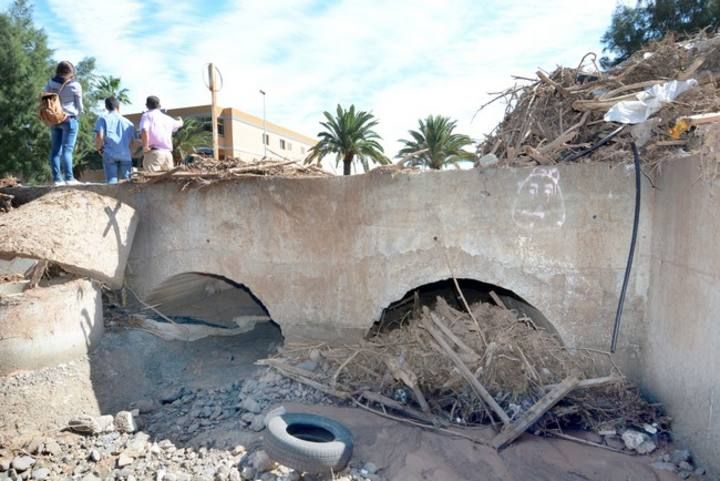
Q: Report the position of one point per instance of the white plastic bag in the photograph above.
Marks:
(648, 102)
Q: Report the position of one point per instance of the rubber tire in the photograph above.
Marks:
(308, 456)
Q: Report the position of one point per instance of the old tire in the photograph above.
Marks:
(308, 443)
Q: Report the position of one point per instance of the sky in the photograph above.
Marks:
(402, 60)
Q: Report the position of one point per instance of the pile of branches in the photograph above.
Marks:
(203, 170)
(558, 116)
(414, 370)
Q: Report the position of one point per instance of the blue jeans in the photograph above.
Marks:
(115, 168)
(62, 138)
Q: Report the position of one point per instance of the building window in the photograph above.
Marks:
(283, 144)
(266, 139)
(221, 126)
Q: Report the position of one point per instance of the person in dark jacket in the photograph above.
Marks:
(64, 135)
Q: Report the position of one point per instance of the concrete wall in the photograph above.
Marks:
(680, 353)
(326, 256)
(49, 325)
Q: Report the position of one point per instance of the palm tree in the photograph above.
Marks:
(435, 145)
(109, 86)
(348, 135)
(193, 134)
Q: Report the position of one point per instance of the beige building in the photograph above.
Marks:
(240, 134)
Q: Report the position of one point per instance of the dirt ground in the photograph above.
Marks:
(130, 366)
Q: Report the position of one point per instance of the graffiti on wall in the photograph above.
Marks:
(539, 203)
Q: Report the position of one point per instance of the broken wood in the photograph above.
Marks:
(301, 376)
(407, 377)
(479, 389)
(559, 88)
(458, 342)
(406, 410)
(574, 439)
(36, 272)
(532, 415)
(496, 299)
(590, 383)
(702, 119)
(690, 71)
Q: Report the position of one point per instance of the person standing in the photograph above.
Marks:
(156, 131)
(64, 134)
(114, 135)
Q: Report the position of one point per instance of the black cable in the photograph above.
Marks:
(596, 146)
(633, 240)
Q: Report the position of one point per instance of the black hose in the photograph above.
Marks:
(633, 240)
(596, 146)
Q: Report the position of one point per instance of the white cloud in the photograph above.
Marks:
(403, 60)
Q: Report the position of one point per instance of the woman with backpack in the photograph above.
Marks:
(63, 134)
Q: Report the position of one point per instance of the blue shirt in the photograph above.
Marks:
(118, 133)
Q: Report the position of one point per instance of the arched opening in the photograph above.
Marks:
(402, 310)
(194, 298)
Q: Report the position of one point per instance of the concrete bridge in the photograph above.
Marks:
(325, 256)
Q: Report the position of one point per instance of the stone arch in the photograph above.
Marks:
(208, 297)
(513, 298)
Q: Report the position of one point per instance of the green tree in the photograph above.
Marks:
(85, 156)
(109, 86)
(648, 20)
(349, 135)
(25, 66)
(434, 145)
(194, 133)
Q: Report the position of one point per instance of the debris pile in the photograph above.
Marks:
(206, 170)
(445, 367)
(560, 116)
(6, 199)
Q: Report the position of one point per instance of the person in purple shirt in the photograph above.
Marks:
(64, 135)
(156, 129)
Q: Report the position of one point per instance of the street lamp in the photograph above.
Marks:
(264, 129)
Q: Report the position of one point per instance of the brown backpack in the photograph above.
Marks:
(51, 111)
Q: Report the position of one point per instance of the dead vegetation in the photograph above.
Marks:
(445, 367)
(202, 171)
(558, 116)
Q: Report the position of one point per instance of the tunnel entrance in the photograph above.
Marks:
(211, 300)
(399, 312)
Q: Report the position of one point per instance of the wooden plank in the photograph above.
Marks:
(406, 410)
(479, 389)
(590, 383)
(496, 299)
(531, 416)
(458, 342)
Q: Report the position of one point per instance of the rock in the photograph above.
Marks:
(487, 160)
(663, 466)
(145, 406)
(239, 450)
(124, 460)
(699, 471)
(614, 442)
(261, 461)
(124, 422)
(4, 465)
(41, 474)
(685, 474)
(268, 477)
(680, 455)
(249, 404)
(315, 355)
(106, 423)
(234, 475)
(646, 447)
(84, 424)
(685, 466)
(370, 468)
(94, 456)
(90, 477)
(634, 439)
(52, 448)
(35, 446)
(171, 394)
(649, 428)
(258, 423)
(22, 463)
